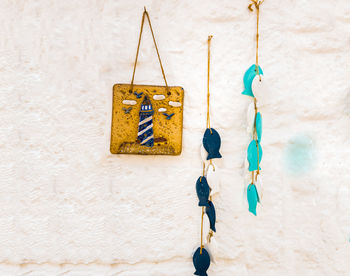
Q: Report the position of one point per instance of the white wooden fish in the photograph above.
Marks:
(212, 248)
(259, 188)
(246, 164)
(213, 178)
(247, 181)
(204, 155)
(260, 89)
(250, 119)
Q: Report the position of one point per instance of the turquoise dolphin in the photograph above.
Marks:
(252, 155)
(258, 125)
(253, 198)
(248, 79)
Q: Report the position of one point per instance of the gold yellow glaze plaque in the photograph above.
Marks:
(147, 120)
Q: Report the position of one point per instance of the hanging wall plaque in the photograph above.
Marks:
(147, 119)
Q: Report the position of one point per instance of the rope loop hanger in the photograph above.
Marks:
(146, 15)
(257, 4)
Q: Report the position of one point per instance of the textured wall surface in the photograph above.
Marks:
(69, 207)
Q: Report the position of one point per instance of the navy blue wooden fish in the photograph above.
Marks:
(210, 211)
(127, 110)
(212, 143)
(168, 117)
(253, 198)
(203, 190)
(201, 262)
(138, 95)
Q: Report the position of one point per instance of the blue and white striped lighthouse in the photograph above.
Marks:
(145, 131)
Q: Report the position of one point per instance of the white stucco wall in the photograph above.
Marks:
(69, 207)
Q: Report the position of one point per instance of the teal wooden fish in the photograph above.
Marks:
(252, 155)
(253, 198)
(258, 124)
(248, 78)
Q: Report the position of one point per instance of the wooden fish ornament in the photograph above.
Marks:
(247, 182)
(212, 248)
(252, 155)
(253, 199)
(212, 143)
(201, 262)
(248, 78)
(203, 190)
(258, 124)
(210, 211)
(250, 119)
(260, 88)
(259, 188)
(213, 178)
(204, 155)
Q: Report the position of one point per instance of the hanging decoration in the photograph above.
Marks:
(147, 119)
(210, 150)
(254, 152)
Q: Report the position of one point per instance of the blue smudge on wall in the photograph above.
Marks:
(299, 155)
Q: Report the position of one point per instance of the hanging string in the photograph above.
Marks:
(256, 136)
(202, 231)
(145, 14)
(257, 4)
(207, 126)
(208, 80)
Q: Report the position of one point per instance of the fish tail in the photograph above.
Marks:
(201, 273)
(214, 155)
(203, 203)
(253, 211)
(247, 93)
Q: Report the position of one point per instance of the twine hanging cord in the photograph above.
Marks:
(145, 14)
(257, 4)
(208, 126)
(208, 80)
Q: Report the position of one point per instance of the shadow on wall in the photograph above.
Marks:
(299, 156)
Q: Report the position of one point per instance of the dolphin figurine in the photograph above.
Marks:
(212, 143)
(253, 198)
(201, 262)
(210, 211)
(203, 190)
(258, 125)
(248, 79)
(252, 155)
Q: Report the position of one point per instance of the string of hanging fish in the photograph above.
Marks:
(207, 186)
(254, 119)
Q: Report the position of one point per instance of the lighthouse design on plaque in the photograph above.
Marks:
(145, 130)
